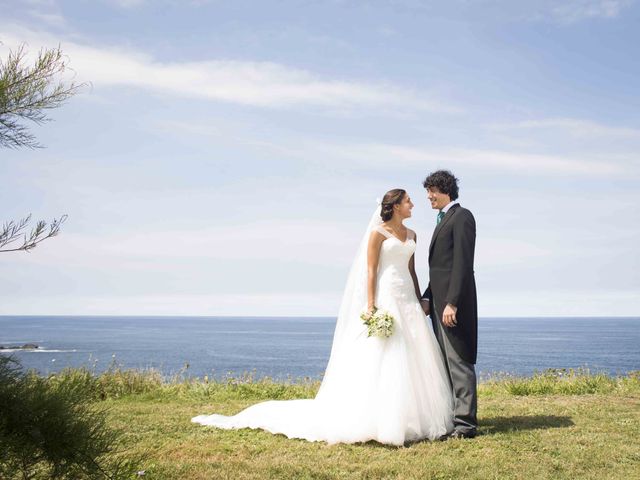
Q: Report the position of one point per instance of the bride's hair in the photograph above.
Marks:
(391, 198)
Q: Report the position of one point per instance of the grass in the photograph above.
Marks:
(555, 424)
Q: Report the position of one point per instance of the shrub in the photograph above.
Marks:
(53, 430)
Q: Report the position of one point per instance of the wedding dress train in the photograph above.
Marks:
(393, 390)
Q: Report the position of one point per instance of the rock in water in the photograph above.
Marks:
(26, 346)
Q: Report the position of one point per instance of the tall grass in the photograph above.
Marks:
(561, 381)
(118, 382)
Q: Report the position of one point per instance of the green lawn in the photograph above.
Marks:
(555, 425)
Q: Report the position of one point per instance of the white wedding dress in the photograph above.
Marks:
(393, 390)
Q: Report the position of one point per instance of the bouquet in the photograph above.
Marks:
(379, 324)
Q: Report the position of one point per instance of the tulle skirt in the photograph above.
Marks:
(392, 390)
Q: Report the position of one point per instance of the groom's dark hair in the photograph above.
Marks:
(444, 181)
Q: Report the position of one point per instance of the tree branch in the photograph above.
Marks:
(26, 91)
(12, 230)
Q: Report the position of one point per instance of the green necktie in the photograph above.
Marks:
(440, 217)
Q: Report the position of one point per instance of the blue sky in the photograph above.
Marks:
(227, 156)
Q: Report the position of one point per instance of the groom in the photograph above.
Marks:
(450, 299)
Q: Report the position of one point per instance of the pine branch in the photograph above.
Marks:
(12, 230)
(26, 92)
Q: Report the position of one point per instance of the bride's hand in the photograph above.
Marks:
(424, 302)
(371, 309)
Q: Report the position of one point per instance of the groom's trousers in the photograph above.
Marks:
(462, 375)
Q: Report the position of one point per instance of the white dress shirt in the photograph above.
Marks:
(448, 206)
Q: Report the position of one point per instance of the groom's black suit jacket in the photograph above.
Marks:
(452, 280)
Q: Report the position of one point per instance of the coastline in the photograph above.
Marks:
(280, 347)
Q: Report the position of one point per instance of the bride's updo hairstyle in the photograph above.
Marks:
(391, 198)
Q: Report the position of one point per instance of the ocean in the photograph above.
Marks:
(295, 347)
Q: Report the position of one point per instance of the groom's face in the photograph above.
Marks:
(437, 199)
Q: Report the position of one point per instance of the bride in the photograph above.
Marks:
(393, 390)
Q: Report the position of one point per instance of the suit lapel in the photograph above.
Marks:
(444, 220)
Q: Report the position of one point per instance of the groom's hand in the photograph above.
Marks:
(449, 316)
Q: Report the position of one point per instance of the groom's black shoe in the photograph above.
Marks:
(457, 434)
(463, 434)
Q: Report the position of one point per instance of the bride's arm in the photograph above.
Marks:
(412, 270)
(373, 255)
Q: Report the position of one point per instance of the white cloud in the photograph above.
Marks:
(572, 11)
(525, 163)
(494, 252)
(127, 3)
(563, 12)
(557, 303)
(41, 3)
(572, 126)
(557, 11)
(49, 18)
(253, 83)
(46, 12)
(309, 242)
(276, 304)
(381, 155)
